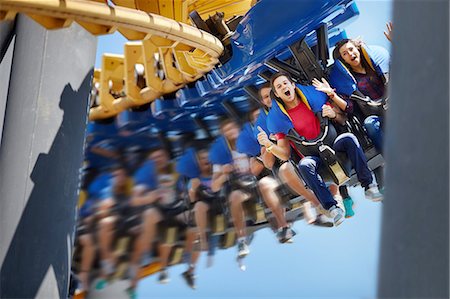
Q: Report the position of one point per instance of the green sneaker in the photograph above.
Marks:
(101, 284)
(348, 204)
(131, 292)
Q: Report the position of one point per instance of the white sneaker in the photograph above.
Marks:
(373, 193)
(243, 249)
(340, 202)
(337, 214)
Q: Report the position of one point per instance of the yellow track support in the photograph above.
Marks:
(173, 54)
(133, 23)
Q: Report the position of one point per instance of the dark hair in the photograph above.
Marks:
(225, 120)
(265, 85)
(338, 45)
(277, 75)
(357, 43)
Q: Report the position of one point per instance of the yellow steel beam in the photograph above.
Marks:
(125, 19)
(111, 80)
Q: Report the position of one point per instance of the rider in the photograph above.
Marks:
(300, 116)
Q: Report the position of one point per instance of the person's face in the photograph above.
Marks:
(265, 96)
(120, 177)
(254, 115)
(160, 157)
(284, 89)
(203, 162)
(351, 55)
(230, 131)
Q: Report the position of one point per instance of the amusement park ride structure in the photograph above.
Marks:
(185, 60)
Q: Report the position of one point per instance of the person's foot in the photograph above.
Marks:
(337, 214)
(131, 292)
(340, 202)
(348, 204)
(243, 249)
(285, 234)
(323, 221)
(101, 284)
(373, 193)
(163, 277)
(189, 278)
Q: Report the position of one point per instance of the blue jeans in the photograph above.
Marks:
(309, 165)
(373, 128)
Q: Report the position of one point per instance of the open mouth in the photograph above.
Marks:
(287, 93)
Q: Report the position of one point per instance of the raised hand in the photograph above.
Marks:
(327, 111)
(323, 86)
(263, 139)
(388, 32)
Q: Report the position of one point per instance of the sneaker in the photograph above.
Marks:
(163, 277)
(373, 193)
(189, 278)
(348, 204)
(337, 214)
(101, 284)
(285, 235)
(131, 292)
(323, 221)
(243, 249)
(340, 202)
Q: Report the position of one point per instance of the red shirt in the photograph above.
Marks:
(305, 122)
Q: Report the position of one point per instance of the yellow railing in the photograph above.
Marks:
(169, 54)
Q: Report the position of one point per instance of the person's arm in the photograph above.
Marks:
(195, 183)
(142, 197)
(256, 166)
(325, 87)
(334, 114)
(220, 176)
(281, 149)
(267, 158)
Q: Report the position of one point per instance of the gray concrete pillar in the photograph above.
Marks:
(414, 256)
(40, 157)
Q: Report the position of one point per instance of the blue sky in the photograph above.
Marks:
(321, 263)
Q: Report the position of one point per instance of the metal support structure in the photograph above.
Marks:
(40, 157)
(414, 257)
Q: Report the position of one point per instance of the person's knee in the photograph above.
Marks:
(201, 207)
(372, 122)
(236, 198)
(152, 215)
(86, 240)
(348, 140)
(306, 165)
(267, 184)
(107, 223)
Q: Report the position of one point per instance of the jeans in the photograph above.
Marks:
(309, 165)
(373, 128)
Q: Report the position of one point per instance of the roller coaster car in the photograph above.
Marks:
(303, 66)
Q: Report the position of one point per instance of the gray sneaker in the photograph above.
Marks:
(243, 249)
(373, 193)
(337, 214)
(163, 277)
